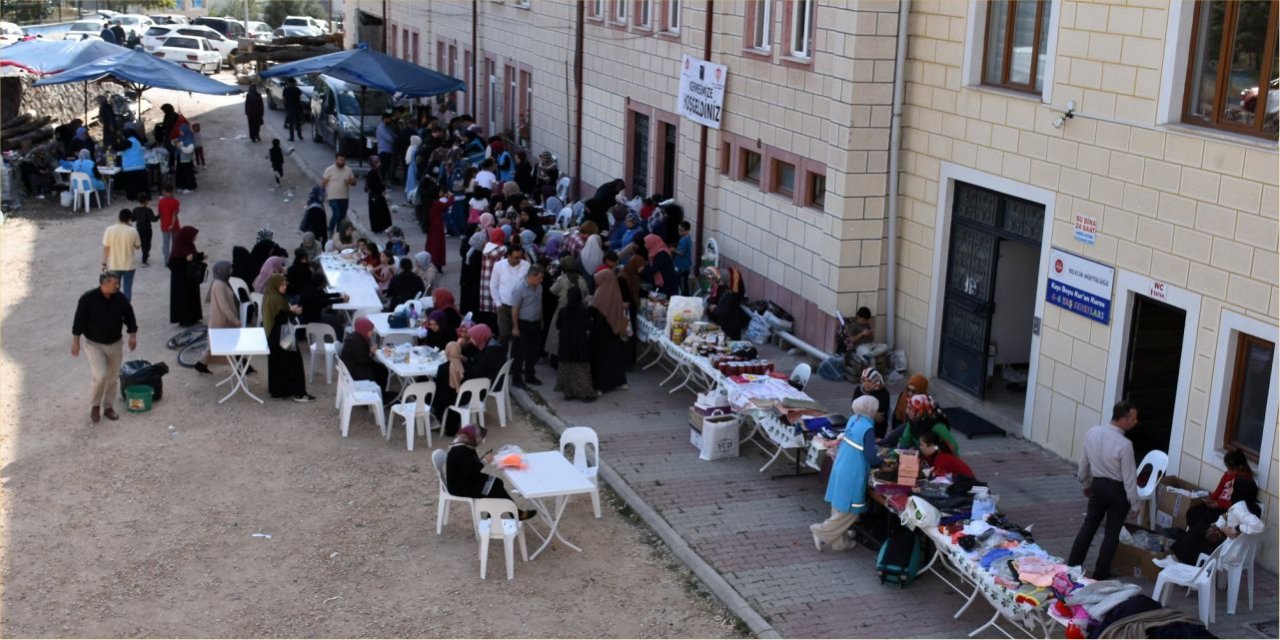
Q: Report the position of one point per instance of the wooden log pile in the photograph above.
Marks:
(25, 129)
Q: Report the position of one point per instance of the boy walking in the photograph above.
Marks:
(169, 225)
(143, 216)
(277, 159)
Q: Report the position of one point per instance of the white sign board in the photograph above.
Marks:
(1080, 285)
(1086, 229)
(701, 96)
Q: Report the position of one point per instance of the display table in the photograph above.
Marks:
(549, 476)
(238, 346)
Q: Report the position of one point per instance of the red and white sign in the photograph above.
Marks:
(1086, 229)
(1157, 291)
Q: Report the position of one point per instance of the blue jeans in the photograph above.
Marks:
(126, 283)
(339, 209)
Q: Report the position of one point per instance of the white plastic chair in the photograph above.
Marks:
(502, 511)
(82, 189)
(584, 440)
(1159, 463)
(562, 188)
(564, 219)
(322, 340)
(241, 288)
(500, 392)
(800, 375)
(351, 326)
(470, 402)
(352, 394)
(256, 299)
(443, 498)
(1232, 564)
(713, 251)
(415, 410)
(1200, 578)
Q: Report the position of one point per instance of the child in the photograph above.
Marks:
(277, 159)
(143, 216)
(169, 225)
(684, 256)
(479, 204)
(195, 132)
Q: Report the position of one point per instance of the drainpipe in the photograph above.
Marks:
(895, 145)
(386, 27)
(475, 51)
(575, 186)
(702, 149)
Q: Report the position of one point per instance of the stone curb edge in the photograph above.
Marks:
(709, 577)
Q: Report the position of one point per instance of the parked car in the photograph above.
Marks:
(306, 21)
(273, 89)
(170, 18)
(106, 14)
(154, 36)
(10, 33)
(259, 31)
(84, 30)
(193, 53)
(133, 24)
(336, 115)
(228, 27)
(295, 32)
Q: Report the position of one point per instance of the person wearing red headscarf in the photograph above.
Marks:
(442, 301)
(357, 355)
(435, 229)
(186, 272)
(493, 251)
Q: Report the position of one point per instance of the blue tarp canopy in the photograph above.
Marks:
(373, 70)
(43, 57)
(143, 71)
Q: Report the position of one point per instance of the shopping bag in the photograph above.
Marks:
(719, 437)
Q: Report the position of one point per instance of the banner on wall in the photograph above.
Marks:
(1080, 285)
(701, 97)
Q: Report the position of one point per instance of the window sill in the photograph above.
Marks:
(641, 28)
(797, 61)
(758, 54)
(1008, 93)
(1221, 136)
(668, 33)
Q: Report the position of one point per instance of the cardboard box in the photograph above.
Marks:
(1171, 507)
(1137, 562)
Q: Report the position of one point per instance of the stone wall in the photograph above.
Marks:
(63, 102)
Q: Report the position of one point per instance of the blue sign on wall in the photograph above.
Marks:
(1080, 286)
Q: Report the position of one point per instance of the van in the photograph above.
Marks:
(336, 116)
(228, 27)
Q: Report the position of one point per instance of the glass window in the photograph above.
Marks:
(1250, 388)
(817, 190)
(784, 177)
(1232, 74)
(751, 166)
(801, 28)
(620, 10)
(673, 15)
(760, 25)
(1014, 55)
(644, 13)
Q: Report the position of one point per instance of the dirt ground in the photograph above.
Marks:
(143, 527)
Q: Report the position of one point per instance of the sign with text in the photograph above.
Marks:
(1080, 286)
(1086, 229)
(701, 96)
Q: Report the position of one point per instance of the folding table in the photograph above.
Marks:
(238, 346)
(417, 366)
(549, 476)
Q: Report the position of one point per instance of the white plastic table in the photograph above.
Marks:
(417, 366)
(354, 280)
(549, 476)
(238, 346)
(107, 174)
(383, 329)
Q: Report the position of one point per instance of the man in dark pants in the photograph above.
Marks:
(293, 109)
(526, 327)
(1108, 474)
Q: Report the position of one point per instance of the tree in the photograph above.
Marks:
(275, 11)
(26, 11)
(128, 6)
(234, 8)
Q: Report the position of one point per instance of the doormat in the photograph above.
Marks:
(970, 424)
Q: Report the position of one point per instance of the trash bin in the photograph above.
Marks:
(137, 399)
(143, 373)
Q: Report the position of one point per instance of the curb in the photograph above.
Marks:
(709, 577)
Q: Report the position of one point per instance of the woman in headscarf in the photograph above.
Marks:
(469, 280)
(310, 247)
(916, 384)
(629, 281)
(573, 324)
(609, 326)
(632, 229)
(299, 273)
(442, 301)
(186, 272)
(553, 246)
(619, 227)
(133, 165)
(82, 141)
(357, 354)
(272, 266)
(346, 238)
(242, 266)
(570, 278)
(264, 247)
(872, 384)
(425, 270)
(855, 457)
(488, 354)
(185, 175)
(316, 302)
(465, 470)
(84, 164)
(662, 268)
(725, 304)
(449, 377)
(547, 173)
(524, 174)
(435, 229)
(286, 377)
(379, 212)
(493, 251)
(923, 415)
(224, 308)
(253, 112)
(411, 171)
(314, 219)
(592, 254)
(438, 336)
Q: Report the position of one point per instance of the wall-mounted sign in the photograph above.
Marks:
(1086, 229)
(1157, 291)
(701, 96)
(1079, 285)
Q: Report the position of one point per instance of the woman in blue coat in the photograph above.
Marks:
(847, 487)
(85, 164)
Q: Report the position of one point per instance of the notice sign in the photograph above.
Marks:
(1086, 229)
(1080, 285)
(701, 96)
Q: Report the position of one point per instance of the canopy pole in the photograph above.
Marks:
(86, 98)
(364, 142)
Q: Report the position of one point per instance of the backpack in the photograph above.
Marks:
(899, 559)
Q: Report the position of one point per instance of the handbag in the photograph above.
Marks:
(197, 271)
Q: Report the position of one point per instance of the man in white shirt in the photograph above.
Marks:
(507, 275)
(337, 182)
(1110, 481)
(486, 177)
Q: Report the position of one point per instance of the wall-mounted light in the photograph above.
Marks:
(1066, 115)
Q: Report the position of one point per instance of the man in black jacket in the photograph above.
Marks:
(99, 316)
(293, 108)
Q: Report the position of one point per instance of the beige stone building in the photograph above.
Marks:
(1086, 207)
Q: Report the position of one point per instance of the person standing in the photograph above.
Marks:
(1110, 481)
(224, 309)
(855, 457)
(99, 315)
(253, 111)
(507, 275)
(386, 136)
(526, 320)
(118, 244)
(286, 377)
(293, 109)
(108, 35)
(608, 333)
(143, 216)
(107, 118)
(375, 184)
(337, 181)
(186, 273)
(169, 225)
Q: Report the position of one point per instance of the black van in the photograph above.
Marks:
(336, 115)
(227, 27)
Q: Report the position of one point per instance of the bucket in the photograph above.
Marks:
(64, 199)
(137, 399)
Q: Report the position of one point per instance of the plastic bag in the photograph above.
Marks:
(510, 457)
(898, 359)
(832, 369)
(690, 306)
(719, 437)
(142, 372)
(758, 330)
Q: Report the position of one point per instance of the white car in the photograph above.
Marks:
(296, 32)
(191, 52)
(10, 33)
(84, 30)
(155, 36)
(133, 24)
(259, 31)
(305, 21)
(169, 18)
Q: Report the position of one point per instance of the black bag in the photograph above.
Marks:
(142, 372)
(197, 270)
(899, 557)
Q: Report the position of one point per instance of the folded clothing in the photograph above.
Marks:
(1099, 597)
(1038, 570)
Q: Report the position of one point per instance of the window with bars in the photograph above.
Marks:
(1233, 74)
(1014, 56)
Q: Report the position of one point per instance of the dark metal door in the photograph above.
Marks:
(1152, 366)
(967, 306)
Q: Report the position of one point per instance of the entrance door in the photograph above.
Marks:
(667, 181)
(638, 182)
(1154, 354)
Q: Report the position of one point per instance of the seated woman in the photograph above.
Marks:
(310, 246)
(345, 239)
(1243, 517)
(438, 337)
(922, 416)
(1236, 482)
(477, 355)
(916, 384)
(489, 354)
(855, 456)
(315, 302)
(724, 305)
(442, 300)
(357, 354)
(942, 462)
(425, 270)
(872, 384)
(464, 469)
(84, 164)
(404, 286)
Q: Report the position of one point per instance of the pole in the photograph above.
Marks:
(575, 183)
(475, 52)
(384, 27)
(246, 14)
(702, 147)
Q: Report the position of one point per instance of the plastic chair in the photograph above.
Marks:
(1200, 578)
(564, 219)
(367, 385)
(1232, 565)
(500, 392)
(471, 398)
(509, 529)
(321, 339)
(800, 375)
(415, 410)
(562, 188)
(82, 189)
(256, 298)
(584, 440)
(443, 498)
(1159, 462)
(241, 288)
(353, 394)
